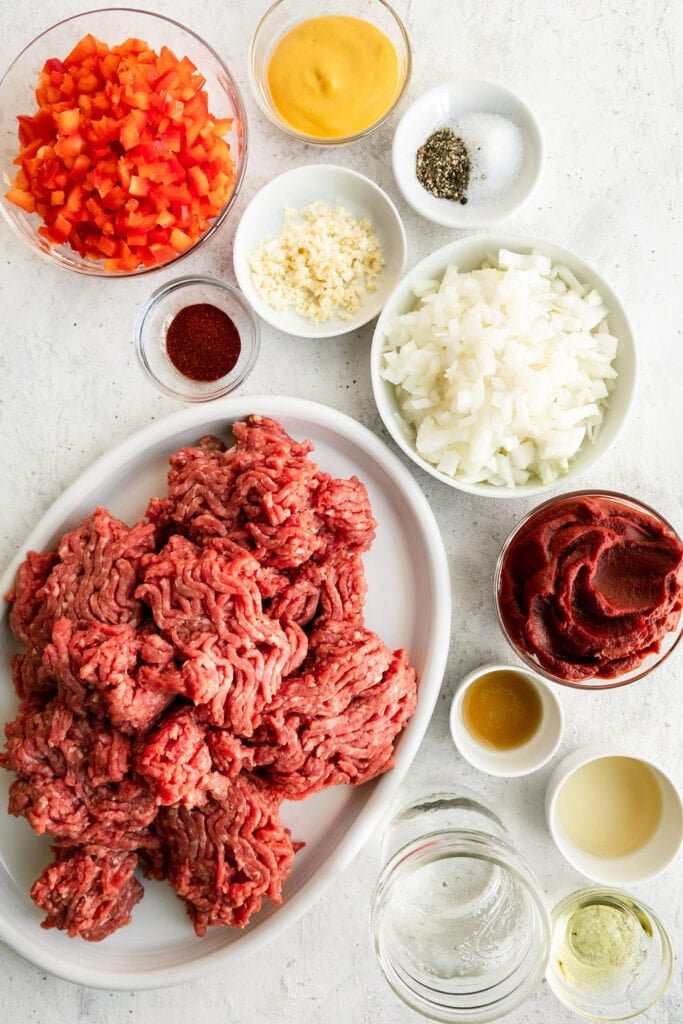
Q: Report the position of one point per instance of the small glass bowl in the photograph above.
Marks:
(284, 15)
(546, 511)
(616, 972)
(112, 26)
(153, 322)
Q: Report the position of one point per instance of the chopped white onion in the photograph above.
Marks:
(502, 373)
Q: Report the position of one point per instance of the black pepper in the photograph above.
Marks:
(443, 166)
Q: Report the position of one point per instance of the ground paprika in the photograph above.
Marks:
(202, 342)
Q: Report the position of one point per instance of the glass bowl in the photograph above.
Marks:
(460, 924)
(624, 568)
(153, 323)
(112, 26)
(284, 15)
(611, 958)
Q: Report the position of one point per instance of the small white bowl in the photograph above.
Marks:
(335, 186)
(639, 865)
(522, 760)
(442, 107)
(468, 254)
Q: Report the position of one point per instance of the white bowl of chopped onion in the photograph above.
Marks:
(503, 366)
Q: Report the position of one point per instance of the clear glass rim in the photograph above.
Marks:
(53, 254)
(259, 91)
(480, 846)
(224, 384)
(618, 897)
(593, 682)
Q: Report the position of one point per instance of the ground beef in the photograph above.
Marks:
(225, 856)
(74, 779)
(116, 671)
(176, 761)
(338, 720)
(208, 604)
(92, 577)
(183, 676)
(264, 494)
(86, 895)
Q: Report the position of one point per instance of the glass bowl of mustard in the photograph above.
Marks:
(329, 73)
(196, 338)
(611, 957)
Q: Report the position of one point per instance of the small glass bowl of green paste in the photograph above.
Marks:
(611, 957)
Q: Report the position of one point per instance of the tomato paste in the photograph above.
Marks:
(590, 585)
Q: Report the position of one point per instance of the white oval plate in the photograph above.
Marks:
(408, 605)
(335, 186)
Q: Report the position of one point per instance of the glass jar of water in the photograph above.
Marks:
(460, 923)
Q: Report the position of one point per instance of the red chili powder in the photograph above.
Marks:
(202, 342)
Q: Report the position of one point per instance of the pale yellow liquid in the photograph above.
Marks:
(610, 807)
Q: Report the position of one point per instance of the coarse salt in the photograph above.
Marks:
(495, 146)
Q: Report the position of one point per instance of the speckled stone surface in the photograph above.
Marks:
(605, 81)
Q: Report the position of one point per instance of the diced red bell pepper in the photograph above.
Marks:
(122, 158)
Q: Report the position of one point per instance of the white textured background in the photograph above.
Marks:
(605, 78)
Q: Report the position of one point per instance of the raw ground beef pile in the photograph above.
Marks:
(183, 676)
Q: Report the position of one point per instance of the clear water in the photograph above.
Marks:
(457, 918)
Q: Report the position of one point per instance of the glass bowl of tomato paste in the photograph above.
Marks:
(589, 589)
(123, 142)
(196, 338)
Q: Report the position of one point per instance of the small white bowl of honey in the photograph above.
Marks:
(505, 720)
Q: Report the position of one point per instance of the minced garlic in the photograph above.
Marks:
(324, 263)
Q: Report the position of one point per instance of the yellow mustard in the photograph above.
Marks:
(333, 76)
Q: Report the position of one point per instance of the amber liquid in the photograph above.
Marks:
(502, 709)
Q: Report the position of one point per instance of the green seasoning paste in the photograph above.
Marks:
(601, 945)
